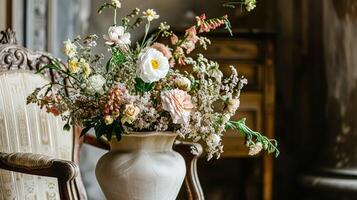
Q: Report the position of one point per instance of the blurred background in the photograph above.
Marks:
(300, 58)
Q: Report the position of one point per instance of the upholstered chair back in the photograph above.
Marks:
(26, 128)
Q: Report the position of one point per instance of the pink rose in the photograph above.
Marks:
(178, 103)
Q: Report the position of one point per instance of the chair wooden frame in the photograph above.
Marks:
(15, 57)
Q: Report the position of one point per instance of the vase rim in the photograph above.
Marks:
(145, 141)
(149, 133)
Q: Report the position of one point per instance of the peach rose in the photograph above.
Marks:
(178, 103)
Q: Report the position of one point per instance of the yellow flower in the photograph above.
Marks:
(108, 120)
(150, 14)
(85, 67)
(73, 65)
(130, 113)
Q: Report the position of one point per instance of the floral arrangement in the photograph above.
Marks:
(142, 87)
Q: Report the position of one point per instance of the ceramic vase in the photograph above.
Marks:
(142, 166)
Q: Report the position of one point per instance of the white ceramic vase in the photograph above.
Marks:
(142, 166)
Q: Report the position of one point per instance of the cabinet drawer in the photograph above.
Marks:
(251, 71)
(250, 109)
(223, 48)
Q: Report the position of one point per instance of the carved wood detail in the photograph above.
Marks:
(8, 37)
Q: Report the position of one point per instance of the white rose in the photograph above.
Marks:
(152, 65)
(69, 48)
(117, 36)
(183, 83)
(130, 113)
(96, 83)
(214, 140)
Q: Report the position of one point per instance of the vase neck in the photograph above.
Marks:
(146, 141)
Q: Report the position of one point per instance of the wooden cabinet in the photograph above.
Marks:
(236, 175)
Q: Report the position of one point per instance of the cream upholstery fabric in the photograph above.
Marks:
(25, 128)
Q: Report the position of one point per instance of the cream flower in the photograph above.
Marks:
(116, 3)
(69, 48)
(164, 26)
(178, 103)
(73, 65)
(233, 105)
(130, 113)
(215, 73)
(150, 14)
(250, 5)
(254, 149)
(84, 65)
(152, 65)
(108, 120)
(183, 83)
(96, 83)
(117, 36)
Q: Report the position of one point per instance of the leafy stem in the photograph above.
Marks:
(147, 28)
(115, 17)
(269, 145)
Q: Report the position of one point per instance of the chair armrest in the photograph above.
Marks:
(41, 165)
(191, 152)
(92, 140)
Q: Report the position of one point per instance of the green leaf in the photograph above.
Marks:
(66, 127)
(117, 130)
(143, 87)
(86, 129)
(118, 57)
(99, 129)
(108, 65)
(48, 66)
(109, 131)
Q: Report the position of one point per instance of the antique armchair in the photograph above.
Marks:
(38, 160)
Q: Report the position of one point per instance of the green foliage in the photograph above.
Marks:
(143, 87)
(108, 130)
(269, 145)
(118, 58)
